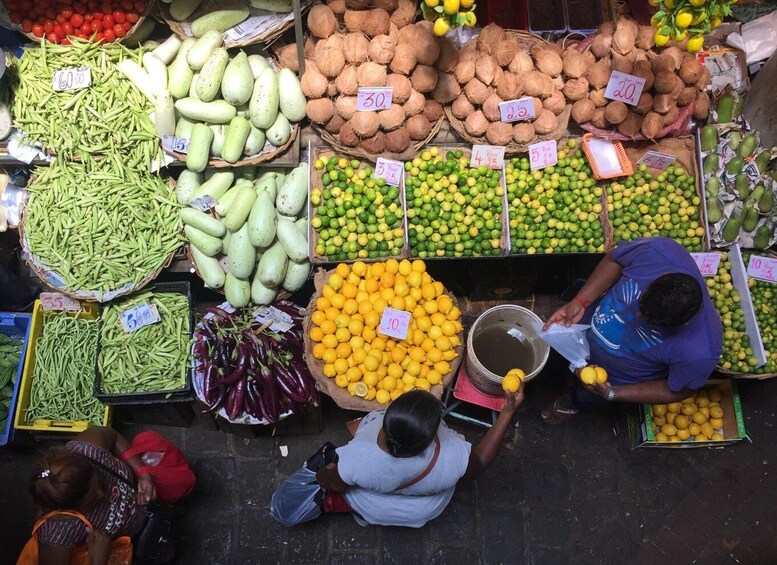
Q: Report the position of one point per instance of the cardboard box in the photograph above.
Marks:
(642, 434)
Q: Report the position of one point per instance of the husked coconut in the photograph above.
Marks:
(666, 82)
(414, 104)
(625, 36)
(504, 52)
(476, 124)
(663, 62)
(346, 106)
(485, 69)
(371, 74)
(597, 97)
(521, 63)
(347, 136)
(404, 60)
(645, 103)
(319, 110)
(583, 110)
(622, 63)
(330, 62)
(331, 89)
(499, 133)
(287, 57)
(598, 120)
(461, 107)
(523, 132)
(401, 86)
(418, 127)
(533, 83)
(601, 45)
(510, 87)
(388, 5)
(677, 55)
(476, 92)
(404, 14)
(447, 88)
(574, 64)
(376, 23)
(354, 20)
(704, 79)
(397, 141)
(555, 102)
(489, 37)
(644, 72)
(424, 78)
(576, 89)
(701, 107)
(321, 21)
(545, 123)
(631, 125)
(313, 83)
(364, 123)
(615, 112)
(690, 70)
(334, 124)
(547, 61)
(646, 37)
(391, 118)
(686, 96)
(491, 108)
(652, 124)
(347, 81)
(427, 50)
(449, 55)
(599, 74)
(355, 46)
(432, 111)
(671, 116)
(375, 144)
(338, 7)
(464, 72)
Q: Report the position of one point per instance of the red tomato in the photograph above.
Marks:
(60, 18)
(92, 5)
(88, 18)
(66, 41)
(132, 17)
(37, 30)
(110, 37)
(99, 37)
(86, 29)
(139, 6)
(14, 16)
(27, 26)
(58, 31)
(82, 35)
(48, 26)
(97, 25)
(98, 15)
(67, 27)
(67, 13)
(127, 26)
(76, 20)
(52, 38)
(119, 17)
(108, 21)
(126, 5)
(107, 7)
(119, 30)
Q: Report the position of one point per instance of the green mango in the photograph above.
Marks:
(734, 139)
(751, 219)
(739, 105)
(731, 229)
(711, 163)
(714, 212)
(734, 167)
(762, 235)
(742, 184)
(763, 160)
(713, 186)
(709, 138)
(748, 145)
(766, 203)
(725, 108)
(755, 196)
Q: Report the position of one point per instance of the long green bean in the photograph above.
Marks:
(63, 376)
(154, 358)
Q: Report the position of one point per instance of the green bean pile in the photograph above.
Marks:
(63, 376)
(152, 359)
(100, 225)
(109, 117)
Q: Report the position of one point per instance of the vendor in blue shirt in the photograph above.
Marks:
(654, 328)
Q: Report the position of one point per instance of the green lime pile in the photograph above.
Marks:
(764, 297)
(642, 205)
(453, 210)
(556, 209)
(356, 216)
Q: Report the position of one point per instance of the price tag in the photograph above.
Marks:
(138, 317)
(389, 170)
(543, 154)
(279, 321)
(624, 88)
(707, 263)
(517, 110)
(58, 301)
(374, 98)
(204, 203)
(394, 323)
(72, 79)
(764, 268)
(751, 170)
(656, 160)
(491, 156)
(177, 144)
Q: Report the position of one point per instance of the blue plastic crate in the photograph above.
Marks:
(17, 326)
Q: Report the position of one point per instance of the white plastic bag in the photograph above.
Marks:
(758, 38)
(298, 499)
(568, 341)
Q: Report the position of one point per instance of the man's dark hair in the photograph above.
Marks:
(671, 300)
(411, 422)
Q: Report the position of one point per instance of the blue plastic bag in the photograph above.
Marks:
(298, 499)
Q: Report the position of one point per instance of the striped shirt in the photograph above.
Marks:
(116, 513)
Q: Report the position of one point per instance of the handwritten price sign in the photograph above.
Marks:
(178, 144)
(624, 88)
(517, 110)
(204, 203)
(394, 323)
(656, 160)
(58, 301)
(390, 171)
(72, 79)
(763, 268)
(490, 156)
(138, 317)
(543, 154)
(707, 263)
(374, 98)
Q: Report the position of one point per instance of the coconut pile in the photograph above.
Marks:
(674, 80)
(372, 43)
(493, 69)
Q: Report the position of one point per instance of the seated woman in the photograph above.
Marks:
(86, 476)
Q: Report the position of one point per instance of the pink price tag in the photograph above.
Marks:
(490, 156)
(374, 98)
(764, 268)
(390, 171)
(656, 160)
(394, 323)
(517, 110)
(707, 263)
(58, 301)
(543, 154)
(624, 88)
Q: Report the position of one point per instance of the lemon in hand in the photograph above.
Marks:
(588, 375)
(601, 374)
(512, 380)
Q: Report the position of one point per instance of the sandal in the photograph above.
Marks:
(556, 413)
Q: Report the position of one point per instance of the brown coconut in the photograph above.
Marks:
(331, 89)
(347, 136)
(498, 77)
(652, 124)
(330, 62)
(391, 118)
(336, 41)
(555, 102)
(346, 106)
(447, 89)
(677, 55)
(701, 107)
(533, 83)
(547, 62)
(666, 82)
(576, 89)
(404, 60)
(686, 96)
(313, 83)
(408, 35)
(322, 22)
(364, 123)
(510, 87)
(432, 111)
(375, 144)
(388, 5)
(464, 71)
(371, 74)
(690, 70)
(449, 55)
(476, 92)
(424, 78)
(575, 64)
(607, 27)
(427, 50)
(485, 69)
(597, 97)
(538, 107)
(469, 53)
(355, 47)
(625, 36)
(354, 20)
(663, 62)
(523, 132)
(504, 52)
(615, 112)
(646, 37)
(489, 37)
(357, 4)
(338, 7)
(601, 45)
(319, 110)
(599, 74)
(704, 79)
(583, 110)
(334, 124)
(397, 141)
(287, 57)
(631, 125)
(404, 14)
(622, 63)
(401, 86)
(476, 124)
(644, 104)
(309, 47)
(393, 33)
(521, 63)
(491, 108)
(545, 123)
(598, 120)
(418, 127)
(462, 107)
(425, 25)
(376, 23)
(671, 116)
(414, 104)
(643, 71)
(347, 81)
(499, 133)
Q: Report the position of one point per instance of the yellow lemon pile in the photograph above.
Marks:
(345, 329)
(447, 14)
(697, 418)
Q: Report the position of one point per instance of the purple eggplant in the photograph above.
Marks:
(238, 402)
(239, 372)
(219, 402)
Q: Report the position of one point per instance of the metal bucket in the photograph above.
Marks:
(516, 322)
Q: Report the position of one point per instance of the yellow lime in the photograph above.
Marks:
(601, 374)
(660, 39)
(360, 389)
(383, 396)
(695, 43)
(699, 18)
(683, 18)
(451, 7)
(678, 35)
(466, 4)
(588, 375)
(657, 21)
(669, 4)
(470, 19)
(511, 381)
(432, 3)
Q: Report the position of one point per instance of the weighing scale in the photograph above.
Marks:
(462, 390)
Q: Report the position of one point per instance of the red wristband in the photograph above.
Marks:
(580, 301)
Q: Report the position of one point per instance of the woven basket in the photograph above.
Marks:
(150, 6)
(268, 35)
(340, 395)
